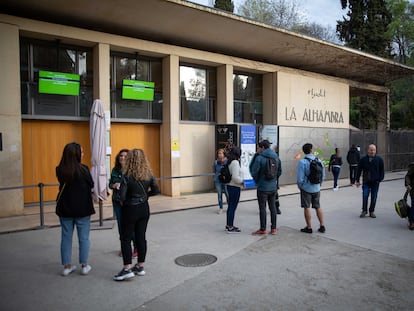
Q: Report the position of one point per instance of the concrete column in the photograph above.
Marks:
(11, 163)
(270, 98)
(225, 95)
(101, 88)
(170, 128)
(101, 74)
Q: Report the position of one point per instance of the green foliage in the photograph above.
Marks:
(401, 28)
(225, 5)
(402, 104)
(363, 112)
(365, 26)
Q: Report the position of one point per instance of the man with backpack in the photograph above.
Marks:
(310, 175)
(265, 170)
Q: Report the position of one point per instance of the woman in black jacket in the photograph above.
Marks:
(137, 185)
(74, 206)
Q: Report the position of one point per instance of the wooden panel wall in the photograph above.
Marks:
(43, 143)
(143, 136)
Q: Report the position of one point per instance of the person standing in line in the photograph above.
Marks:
(353, 158)
(114, 184)
(335, 164)
(266, 188)
(220, 187)
(137, 185)
(233, 188)
(277, 203)
(74, 206)
(371, 166)
(309, 192)
(409, 185)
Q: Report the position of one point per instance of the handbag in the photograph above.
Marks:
(60, 193)
(401, 206)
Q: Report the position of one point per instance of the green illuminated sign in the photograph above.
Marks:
(59, 83)
(138, 90)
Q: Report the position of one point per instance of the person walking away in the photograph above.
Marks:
(220, 187)
(409, 184)
(371, 166)
(74, 207)
(233, 189)
(137, 185)
(335, 164)
(266, 186)
(114, 184)
(353, 158)
(310, 192)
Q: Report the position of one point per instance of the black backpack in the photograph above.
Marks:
(315, 174)
(271, 168)
(224, 175)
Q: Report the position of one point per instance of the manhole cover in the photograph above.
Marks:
(195, 260)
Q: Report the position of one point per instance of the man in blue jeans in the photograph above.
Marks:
(371, 167)
(266, 188)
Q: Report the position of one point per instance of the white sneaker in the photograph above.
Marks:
(220, 211)
(85, 270)
(335, 189)
(67, 271)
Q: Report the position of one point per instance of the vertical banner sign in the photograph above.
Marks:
(226, 135)
(248, 149)
(270, 132)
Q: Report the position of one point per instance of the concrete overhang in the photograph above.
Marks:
(195, 26)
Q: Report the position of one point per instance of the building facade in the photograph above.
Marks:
(192, 88)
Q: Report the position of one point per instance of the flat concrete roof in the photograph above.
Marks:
(195, 26)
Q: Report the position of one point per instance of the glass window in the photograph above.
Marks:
(198, 93)
(51, 56)
(248, 98)
(132, 67)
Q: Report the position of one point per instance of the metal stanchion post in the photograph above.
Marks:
(42, 216)
(100, 213)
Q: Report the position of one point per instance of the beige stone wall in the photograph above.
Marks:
(312, 102)
(196, 155)
(10, 122)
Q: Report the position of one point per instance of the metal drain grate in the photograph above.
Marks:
(195, 260)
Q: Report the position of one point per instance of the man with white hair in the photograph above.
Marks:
(371, 166)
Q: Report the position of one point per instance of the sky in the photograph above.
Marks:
(323, 12)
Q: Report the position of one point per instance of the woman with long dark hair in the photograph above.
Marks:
(74, 206)
(137, 185)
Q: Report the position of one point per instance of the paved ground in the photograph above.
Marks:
(358, 264)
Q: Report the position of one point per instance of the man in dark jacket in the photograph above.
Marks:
(353, 158)
(371, 167)
(266, 188)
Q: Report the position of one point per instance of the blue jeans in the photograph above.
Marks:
(221, 188)
(262, 198)
(366, 190)
(335, 172)
(234, 197)
(83, 226)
